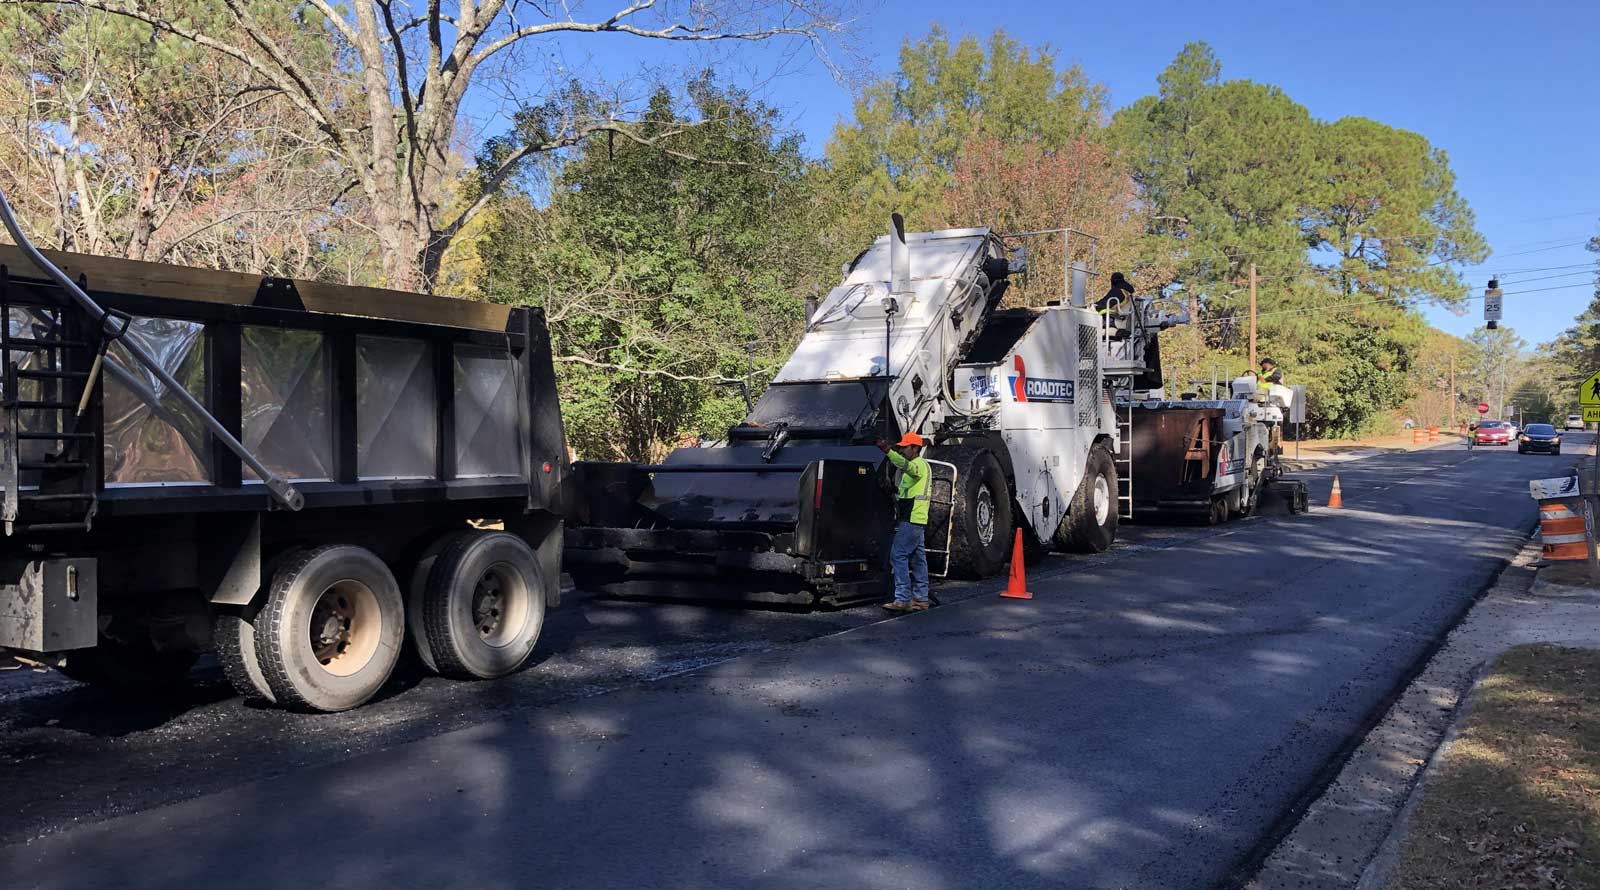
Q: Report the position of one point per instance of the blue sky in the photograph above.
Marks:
(1509, 90)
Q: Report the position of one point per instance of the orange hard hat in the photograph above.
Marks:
(910, 439)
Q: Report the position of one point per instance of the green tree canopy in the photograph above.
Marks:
(1384, 205)
(899, 152)
(658, 262)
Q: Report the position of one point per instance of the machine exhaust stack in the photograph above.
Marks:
(899, 257)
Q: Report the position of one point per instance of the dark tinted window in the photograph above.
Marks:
(1492, 424)
(1541, 429)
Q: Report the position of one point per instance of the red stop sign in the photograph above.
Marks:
(1483, 407)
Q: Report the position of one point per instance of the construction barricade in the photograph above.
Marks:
(1564, 518)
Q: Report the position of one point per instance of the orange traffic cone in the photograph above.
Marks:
(1335, 499)
(1017, 587)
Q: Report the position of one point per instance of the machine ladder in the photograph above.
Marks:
(1123, 460)
(50, 456)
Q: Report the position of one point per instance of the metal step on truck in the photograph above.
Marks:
(794, 507)
(293, 475)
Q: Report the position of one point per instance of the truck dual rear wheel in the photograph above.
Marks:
(1091, 522)
(483, 605)
(233, 636)
(417, 597)
(981, 524)
(330, 631)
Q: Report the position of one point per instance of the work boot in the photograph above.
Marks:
(920, 605)
(897, 606)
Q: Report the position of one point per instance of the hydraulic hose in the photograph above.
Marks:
(277, 485)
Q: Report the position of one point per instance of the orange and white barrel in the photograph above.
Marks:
(1561, 531)
(1418, 435)
(1433, 434)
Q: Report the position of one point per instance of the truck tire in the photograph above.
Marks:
(233, 635)
(416, 599)
(330, 632)
(233, 640)
(1091, 522)
(981, 524)
(484, 605)
(123, 666)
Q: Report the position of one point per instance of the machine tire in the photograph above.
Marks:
(1082, 531)
(1219, 512)
(128, 667)
(483, 577)
(416, 598)
(982, 509)
(233, 636)
(353, 595)
(1255, 478)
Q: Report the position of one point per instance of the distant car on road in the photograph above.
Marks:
(1574, 421)
(1539, 437)
(1492, 432)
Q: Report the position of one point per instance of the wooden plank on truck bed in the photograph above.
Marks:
(116, 275)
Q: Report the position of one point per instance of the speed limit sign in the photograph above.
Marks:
(1483, 407)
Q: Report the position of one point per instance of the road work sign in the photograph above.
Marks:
(1559, 487)
(1589, 392)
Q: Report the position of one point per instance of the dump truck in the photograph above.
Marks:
(297, 476)
(794, 506)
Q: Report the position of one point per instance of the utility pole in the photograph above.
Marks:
(1253, 364)
(1452, 390)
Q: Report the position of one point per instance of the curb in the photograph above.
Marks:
(1377, 873)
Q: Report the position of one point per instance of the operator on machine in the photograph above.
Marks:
(1271, 375)
(907, 554)
(1120, 294)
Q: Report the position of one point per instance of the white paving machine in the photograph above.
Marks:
(795, 506)
(1213, 459)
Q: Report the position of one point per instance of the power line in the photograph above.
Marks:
(1560, 216)
(1543, 249)
(1595, 266)
(1553, 277)
(1399, 304)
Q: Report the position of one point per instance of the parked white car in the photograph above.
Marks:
(1574, 422)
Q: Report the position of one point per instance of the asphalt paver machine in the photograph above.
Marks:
(795, 505)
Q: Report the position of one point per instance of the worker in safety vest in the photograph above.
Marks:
(907, 554)
(1270, 374)
(1119, 296)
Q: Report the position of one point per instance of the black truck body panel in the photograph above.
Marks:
(164, 538)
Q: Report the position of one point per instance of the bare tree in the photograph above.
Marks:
(119, 140)
(413, 68)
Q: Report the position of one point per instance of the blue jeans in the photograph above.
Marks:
(910, 562)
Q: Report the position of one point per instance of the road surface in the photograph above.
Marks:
(1154, 717)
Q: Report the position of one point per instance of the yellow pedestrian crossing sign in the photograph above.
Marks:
(1589, 392)
(1591, 414)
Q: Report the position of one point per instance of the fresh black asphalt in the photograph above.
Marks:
(1152, 718)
